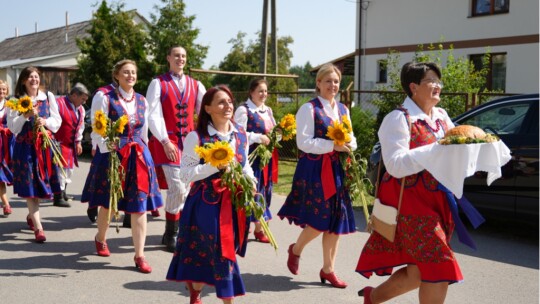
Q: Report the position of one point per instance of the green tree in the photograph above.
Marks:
(245, 58)
(305, 79)
(113, 37)
(458, 74)
(173, 27)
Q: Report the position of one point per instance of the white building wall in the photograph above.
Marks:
(392, 23)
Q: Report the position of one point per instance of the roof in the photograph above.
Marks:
(344, 63)
(26, 61)
(56, 41)
(45, 43)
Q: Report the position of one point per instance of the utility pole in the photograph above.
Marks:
(274, 38)
(264, 38)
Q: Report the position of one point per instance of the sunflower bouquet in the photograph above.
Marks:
(353, 164)
(220, 154)
(24, 105)
(110, 130)
(285, 130)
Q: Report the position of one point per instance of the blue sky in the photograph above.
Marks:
(322, 29)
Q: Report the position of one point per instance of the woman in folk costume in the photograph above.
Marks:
(6, 149)
(211, 229)
(319, 202)
(258, 120)
(141, 192)
(34, 173)
(425, 223)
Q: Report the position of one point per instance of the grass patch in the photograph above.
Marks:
(286, 173)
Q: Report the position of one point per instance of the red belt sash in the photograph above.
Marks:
(140, 165)
(4, 134)
(226, 230)
(41, 162)
(327, 176)
(274, 160)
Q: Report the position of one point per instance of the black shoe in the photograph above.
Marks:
(169, 237)
(127, 221)
(92, 214)
(66, 197)
(59, 201)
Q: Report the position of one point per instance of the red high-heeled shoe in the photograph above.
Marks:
(194, 295)
(40, 236)
(102, 248)
(30, 223)
(293, 262)
(332, 278)
(142, 264)
(366, 293)
(7, 210)
(261, 237)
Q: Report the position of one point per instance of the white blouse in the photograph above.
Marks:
(101, 102)
(394, 136)
(241, 118)
(52, 123)
(305, 129)
(190, 168)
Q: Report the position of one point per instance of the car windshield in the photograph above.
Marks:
(501, 119)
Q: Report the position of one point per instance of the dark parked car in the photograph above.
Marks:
(515, 195)
(86, 141)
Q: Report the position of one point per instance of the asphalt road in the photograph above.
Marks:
(66, 269)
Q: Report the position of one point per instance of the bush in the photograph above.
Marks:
(363, 123)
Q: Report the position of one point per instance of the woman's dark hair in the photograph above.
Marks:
(414, 72)
(204, 117)
(20, 88)
(254, 84)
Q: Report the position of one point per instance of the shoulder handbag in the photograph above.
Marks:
(383, 218)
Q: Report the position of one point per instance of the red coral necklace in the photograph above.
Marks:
(124, 99)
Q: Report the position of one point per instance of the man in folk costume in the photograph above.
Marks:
(173, 100)
(69, 137)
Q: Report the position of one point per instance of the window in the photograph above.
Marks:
(382, 71)
(490, 7)
(501, 119)
(496, 77)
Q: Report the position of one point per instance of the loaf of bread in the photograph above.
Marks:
(466, 131)
(466, 134)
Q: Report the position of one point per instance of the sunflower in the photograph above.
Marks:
(201, 151)
(217, 154)
(346, 123)
(12, 104)
(25, 104)
(121, 123)
(338, 133)
(288, 126)
(100, 123)
(288, 122)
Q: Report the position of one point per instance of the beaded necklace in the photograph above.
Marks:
(124, 99)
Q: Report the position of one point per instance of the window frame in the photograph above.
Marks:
(492, 11)
(382, 69)
(489, 76)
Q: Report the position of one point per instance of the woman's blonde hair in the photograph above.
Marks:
(118, 66)
(2, 82)
(326, 69)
